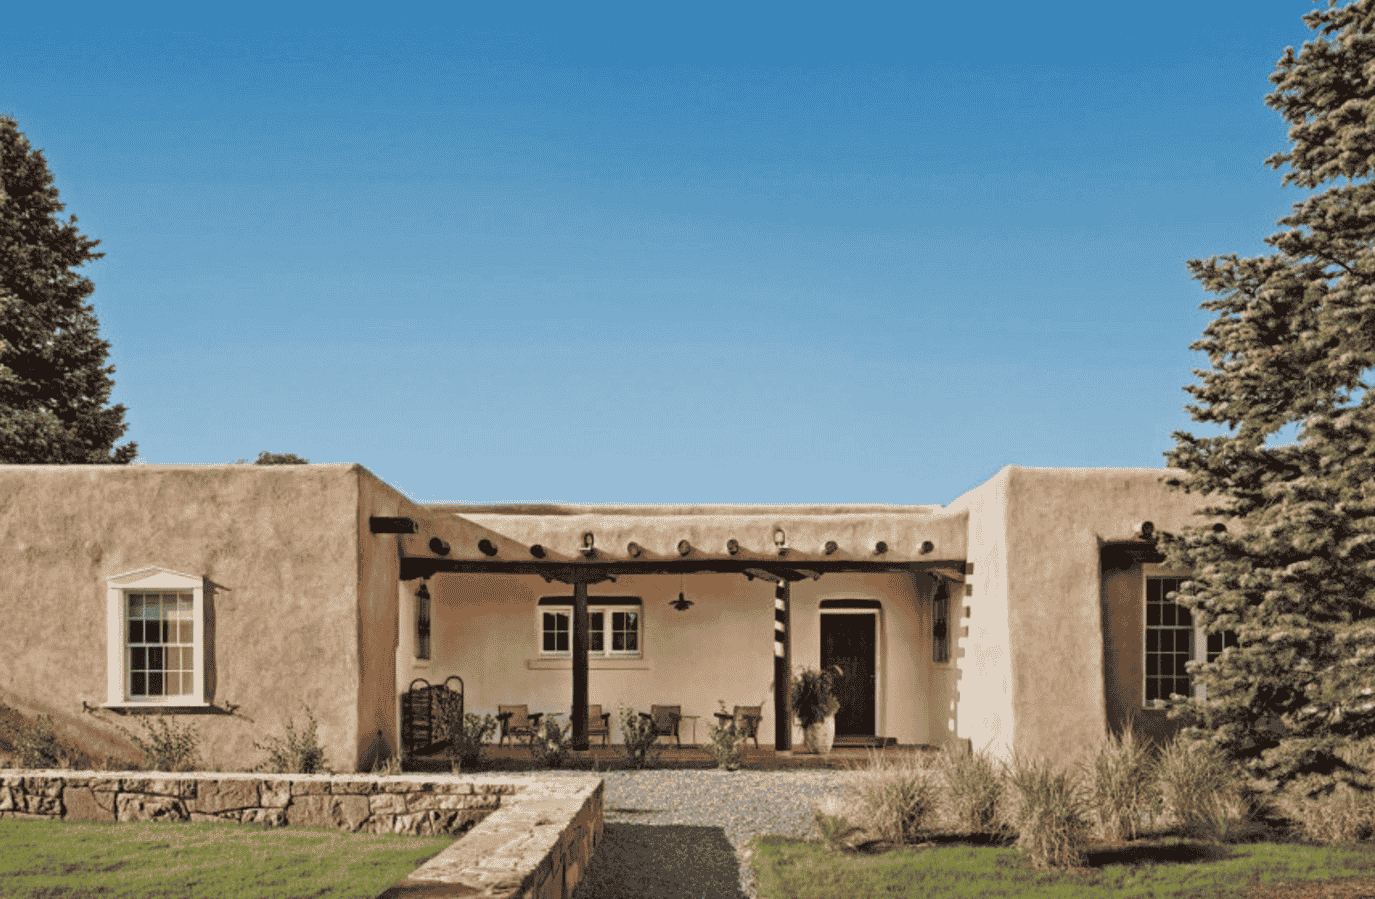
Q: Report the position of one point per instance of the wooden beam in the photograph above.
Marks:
(593, 572)
(580, 647)
(782, 667)
(392, 524)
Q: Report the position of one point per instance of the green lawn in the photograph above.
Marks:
(147, 861)
(793, 869)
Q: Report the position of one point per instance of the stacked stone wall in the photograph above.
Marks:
(523, 838)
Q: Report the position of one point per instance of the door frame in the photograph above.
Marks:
(877, 615)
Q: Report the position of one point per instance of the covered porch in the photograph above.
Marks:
(711, 605)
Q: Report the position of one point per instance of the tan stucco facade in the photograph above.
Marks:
(300, 598)
(306, 606)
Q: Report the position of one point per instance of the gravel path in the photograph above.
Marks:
(683, 834)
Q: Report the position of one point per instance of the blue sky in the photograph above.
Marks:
(657, 253)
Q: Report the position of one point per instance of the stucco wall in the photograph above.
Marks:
(984, 683)
(278, 547)
(484, 629)
(1056, 520)
(379, 571)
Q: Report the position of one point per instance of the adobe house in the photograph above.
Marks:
(1029, 614)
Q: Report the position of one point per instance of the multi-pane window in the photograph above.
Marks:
(612, 630)
(1173, 640)
(160, 644)
(940, 625)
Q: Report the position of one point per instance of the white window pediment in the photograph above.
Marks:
(155, 639)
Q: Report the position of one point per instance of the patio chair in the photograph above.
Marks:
(746, 718)
(518, 721)
(598, 723)
(665, 718)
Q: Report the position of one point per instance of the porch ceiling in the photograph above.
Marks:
(644, 542)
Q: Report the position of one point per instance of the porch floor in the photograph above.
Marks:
(609, 758)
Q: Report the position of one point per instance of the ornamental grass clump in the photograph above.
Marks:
(1049, 812)
(297, 752)
(1201, 792)
(832, 817)
(895, 797)
(974, 790)
(1123, 791)
(1335, 813)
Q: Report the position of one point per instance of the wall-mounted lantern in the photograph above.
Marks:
(588, 550)
(780, 540)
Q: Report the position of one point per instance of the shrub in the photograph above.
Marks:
(1049, 813)
(551, 747)
(1200, 790)
(894, 796)
(466, 734)
(169, 746)
(973, 790)
(296, 753)
(727, 742)
(1123, 791)
(833, 823)
(641, 746)
(36, 744)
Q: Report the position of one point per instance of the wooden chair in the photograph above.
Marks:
(598, 723)
(746, 718)
(518, 721)
(665, 718)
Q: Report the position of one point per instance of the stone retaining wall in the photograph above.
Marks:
(525, 836)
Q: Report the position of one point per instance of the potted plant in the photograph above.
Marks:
(815, 705)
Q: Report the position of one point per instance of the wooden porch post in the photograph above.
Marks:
(580, 645)
(782, 668)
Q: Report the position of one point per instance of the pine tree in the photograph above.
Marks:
(1292, 571)
(54, 380)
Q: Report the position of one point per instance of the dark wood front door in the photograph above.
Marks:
(849, 642)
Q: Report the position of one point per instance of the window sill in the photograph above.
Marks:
(154, 708)
(600, 664)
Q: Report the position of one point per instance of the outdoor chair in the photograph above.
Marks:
(598, 723)
(665, 718)
(746, 718)
(517, 721)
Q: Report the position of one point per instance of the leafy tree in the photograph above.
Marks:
(266, 458)
(54, 380)
(1293, 344)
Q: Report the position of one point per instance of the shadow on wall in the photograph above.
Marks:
(81, 732)
(675, 861)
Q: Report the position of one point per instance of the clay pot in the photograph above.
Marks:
(820, 737)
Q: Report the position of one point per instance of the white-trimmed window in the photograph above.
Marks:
(155, 638)
(614, 627)
(1173, 640)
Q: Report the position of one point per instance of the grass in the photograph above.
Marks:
(1162, 869)
(163, 860)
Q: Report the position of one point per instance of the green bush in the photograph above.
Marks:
(550, 748)
(974, 790)
(36, 744)
(1049, 813)
(895, 796)
(727, 742)
(812, 695)
(1201, 792)
(297, 752)
(1123, 791)
(168, 746)
(640, 741)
